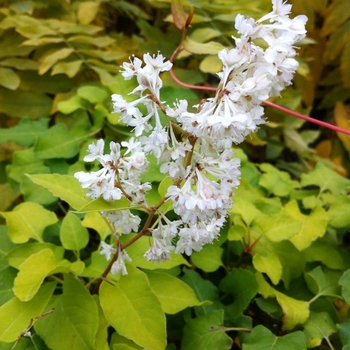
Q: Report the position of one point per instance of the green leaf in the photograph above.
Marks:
(344, 333)
(95, 221)
(71, 105)
(7, 277)
(324, 252)
(344, 281)
(278, 227)
(246, 209)
(295, 311)
(205, 291)
(121, 343)
(73, 235)
(206, 333)
(11, 45)
(322, 284)
(242, 285)
(269, 264)
(105, 77)
(93, 94)
(173, 294)
(152, 174)
(292, 260)
(209, 48)
(319, 326)
(71, 69)
(209, 258)
(22, 252)
(88, 11)
(9, 79)
(97, 266)
(338, 211)
(236, 233)
(28, 220)
(101, 341)
(25, 162)
(312, 225)
(20, 63)
(139, 315)
(205, 34)
(35, 193)
(16, 315)
(52, 58)
(275, 181)
(34, 105)
(335, 17)
(45, 83)
(211, 64)
(74, 28)
(100, 204)
(74, 323)
(65, 187)
(25, 132)
(57, 142)
(32, 274)
(326, 179)
(263, 339)
(100, 41)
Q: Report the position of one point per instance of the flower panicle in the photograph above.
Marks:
(194, 149)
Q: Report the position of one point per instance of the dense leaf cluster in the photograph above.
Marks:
(279, 275)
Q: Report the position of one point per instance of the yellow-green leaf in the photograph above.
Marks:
(52, 58)
(210, 48)
(134, 311)
(173, 294)
(65, 187)
(88, 11)
(95, 221)
(270, 265)
(74, 323)
(69, 68)
(73, 235)
(295, 311)
(15, 315)
(209, 258)
(32, 274)
(211, 64)
(313, 225)
(28, 220)
(9, 78)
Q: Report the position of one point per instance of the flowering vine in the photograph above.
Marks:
(194, 147)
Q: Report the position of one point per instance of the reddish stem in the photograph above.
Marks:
(268, 103)
(309, 119)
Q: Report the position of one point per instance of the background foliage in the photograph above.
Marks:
(278, 277)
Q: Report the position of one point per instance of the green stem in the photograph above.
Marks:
(237, 329)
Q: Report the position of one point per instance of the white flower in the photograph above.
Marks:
(119, 265)
(108, 250)
(123, 221)
(157, 63)
(248, 27)
(162, 237)
(156, 142)
(131, 69)
(96, 151)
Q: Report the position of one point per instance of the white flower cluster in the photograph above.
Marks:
(202, 165)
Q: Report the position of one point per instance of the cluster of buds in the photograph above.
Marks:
(194, 148)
